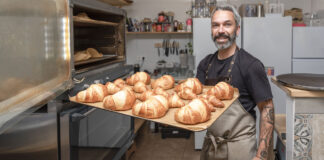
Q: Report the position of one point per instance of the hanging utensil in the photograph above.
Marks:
(167, 48)
(158, 46)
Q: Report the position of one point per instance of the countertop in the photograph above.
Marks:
(298, 93)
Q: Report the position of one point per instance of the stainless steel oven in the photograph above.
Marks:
(39, 71)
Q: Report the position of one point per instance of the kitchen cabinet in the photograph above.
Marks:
(304, 123)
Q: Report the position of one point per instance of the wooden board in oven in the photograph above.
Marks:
(168, 119)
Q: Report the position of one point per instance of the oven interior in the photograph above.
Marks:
(101, 30)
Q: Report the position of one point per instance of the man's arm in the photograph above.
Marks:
(266, 128)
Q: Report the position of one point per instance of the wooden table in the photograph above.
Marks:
(304, 123)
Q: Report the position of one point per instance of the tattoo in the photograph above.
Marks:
(266, 129)
(269, 114)
(264, 154)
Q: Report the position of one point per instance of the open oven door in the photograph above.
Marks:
(35, 67)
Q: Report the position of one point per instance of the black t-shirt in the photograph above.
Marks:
(248, 75)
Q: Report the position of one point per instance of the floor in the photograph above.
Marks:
(150, 145)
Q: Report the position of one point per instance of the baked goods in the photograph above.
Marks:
(187, 93)
(94, 53)
(160, 91)
(81, 56)
(154, 107)
(165, 82)
(192, 83)
(140, 87)
(139, 76)
(209, 105)
(145, 95)
(95, 93)
(83, 15)
(222, 91)
(175, 101)
(119, 83)
(120, 101)
(112, 88)
(213, 100)
(195, 112)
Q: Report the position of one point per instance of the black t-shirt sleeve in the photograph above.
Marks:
(201, 69)
(258, 83)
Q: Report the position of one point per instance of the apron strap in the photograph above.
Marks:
(218, 141)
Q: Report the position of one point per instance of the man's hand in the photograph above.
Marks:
(266, 128)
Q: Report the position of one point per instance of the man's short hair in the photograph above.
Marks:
(231, 8)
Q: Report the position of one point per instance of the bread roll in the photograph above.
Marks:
(165, 82)
(192, 83)
(155, 107)
(137, 77)
(222, 91)
(95, 93)
(112, 88)
(120, 101)
(195, 112)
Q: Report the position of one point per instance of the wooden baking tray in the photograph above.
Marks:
(168, 119)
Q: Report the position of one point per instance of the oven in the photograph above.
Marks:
(43, 41)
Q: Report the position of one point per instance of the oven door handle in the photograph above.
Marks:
(79, 116)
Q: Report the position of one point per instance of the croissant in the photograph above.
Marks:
(95, 93)
(187, 93)
(155, 107)
(195, 112)
(160, 91)
(145, 95)
(112, 88)
(209, 105)
(175, 101)
(120, 83)
(140, 87)
(165, 82)
(120, 101)
(222, 91)
(139, 76)
(192, 83)
(94, 53)
(213, 100)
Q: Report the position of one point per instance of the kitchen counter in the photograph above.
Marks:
(304, 123)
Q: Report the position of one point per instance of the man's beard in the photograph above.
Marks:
(221, 46)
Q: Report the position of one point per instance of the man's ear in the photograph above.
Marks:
(238, 29)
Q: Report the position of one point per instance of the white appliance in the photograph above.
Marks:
(202, 46)
(308, 50)
(270, 40)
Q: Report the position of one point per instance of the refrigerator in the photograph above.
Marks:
(308, 50)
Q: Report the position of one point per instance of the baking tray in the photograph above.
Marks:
(91, 60)
(304, 81)
(168, 119)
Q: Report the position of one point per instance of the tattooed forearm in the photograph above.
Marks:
(266, 128)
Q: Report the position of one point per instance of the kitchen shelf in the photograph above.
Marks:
(78, 21)
(158, 33)
(118, 2)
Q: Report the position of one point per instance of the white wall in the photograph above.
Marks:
(138, 46)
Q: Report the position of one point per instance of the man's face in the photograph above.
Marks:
(224, 29)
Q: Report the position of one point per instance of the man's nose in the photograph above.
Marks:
(221, 29)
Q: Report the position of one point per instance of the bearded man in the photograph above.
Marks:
(232, 136)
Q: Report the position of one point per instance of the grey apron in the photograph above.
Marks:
(232, 135)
